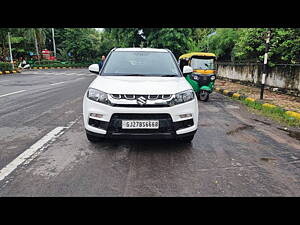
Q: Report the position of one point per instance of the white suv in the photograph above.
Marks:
(140, 93)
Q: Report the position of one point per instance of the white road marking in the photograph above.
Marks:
(2, 81)
(66, 73)
(232, 107)
(58, 83)
(12, 93)
(68, 81)
(26, 155)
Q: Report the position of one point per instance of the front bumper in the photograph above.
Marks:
(171, 124)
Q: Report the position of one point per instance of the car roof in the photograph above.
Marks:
(140, 50)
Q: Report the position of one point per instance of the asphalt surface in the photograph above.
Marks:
(234, 152)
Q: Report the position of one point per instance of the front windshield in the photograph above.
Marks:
(124, 63)
(202, 64)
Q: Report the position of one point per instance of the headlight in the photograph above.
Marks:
(195, 77)
(213, 77)
(98, 96)
(184, 96)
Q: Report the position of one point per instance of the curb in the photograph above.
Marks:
(47, 68)
(238, 96)
(10, 72)
(38, 68)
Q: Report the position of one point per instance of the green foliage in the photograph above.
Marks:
(222, 42)
(88, 44)
(5, 66)
(178, 40)
(250, 44)
(200, 39)
(125, 37)
(81, 43)
(284, 46)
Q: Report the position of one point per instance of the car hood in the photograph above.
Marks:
(140, 85)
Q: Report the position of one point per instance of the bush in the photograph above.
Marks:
(5, 66)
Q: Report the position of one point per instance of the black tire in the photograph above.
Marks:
(93, 138)
(203, 96)
(187, 139)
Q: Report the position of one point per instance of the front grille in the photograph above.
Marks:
(141, 116)
(132, 100)
(134, 97)
(140, 106)
(203, 80)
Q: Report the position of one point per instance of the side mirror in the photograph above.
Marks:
(94, 68)
(187, 70)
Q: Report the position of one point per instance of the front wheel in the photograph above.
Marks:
(203, 96)
(187, 139)
(92, 138)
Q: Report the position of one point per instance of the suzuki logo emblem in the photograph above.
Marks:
(141, 100)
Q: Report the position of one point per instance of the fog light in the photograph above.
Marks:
(96, 115)
(185, 115)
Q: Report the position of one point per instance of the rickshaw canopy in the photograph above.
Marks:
(190, 55)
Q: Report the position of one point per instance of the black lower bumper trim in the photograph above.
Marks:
(147, 136)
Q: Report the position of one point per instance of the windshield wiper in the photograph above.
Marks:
(134, 74)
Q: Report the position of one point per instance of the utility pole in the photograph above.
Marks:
(54, 48)
(265, 67)
(11, 58)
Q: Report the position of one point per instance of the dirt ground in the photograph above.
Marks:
(285, 101)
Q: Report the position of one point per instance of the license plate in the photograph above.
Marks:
(140, 124)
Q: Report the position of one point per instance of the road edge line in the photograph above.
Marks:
(28, 153)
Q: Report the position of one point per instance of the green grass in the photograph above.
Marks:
(275, 113)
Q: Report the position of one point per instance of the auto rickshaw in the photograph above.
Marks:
(203, 73)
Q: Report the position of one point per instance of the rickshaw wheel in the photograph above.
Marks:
(203, 96)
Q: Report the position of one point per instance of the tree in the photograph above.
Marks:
(200, 38)
(125, 37)
(284, 45)
(81, 44)
(17, 42)
(223, 42)
(178, 40)
(3, 39)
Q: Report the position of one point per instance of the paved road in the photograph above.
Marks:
(234, 152)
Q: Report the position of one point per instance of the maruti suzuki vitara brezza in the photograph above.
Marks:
(140, 93)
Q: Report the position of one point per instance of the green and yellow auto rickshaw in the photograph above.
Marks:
(202, 72)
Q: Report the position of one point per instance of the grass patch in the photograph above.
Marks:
(275, 113)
